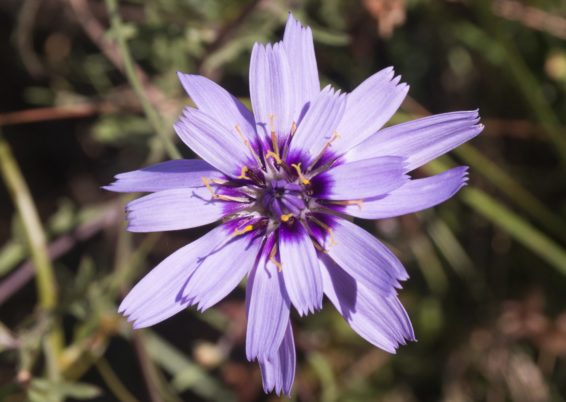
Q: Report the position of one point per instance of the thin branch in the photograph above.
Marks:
(134, 79)
(35, 237)
(113, 381)
(531, 17)
(53, 113)
(228, 29)
(147, 367)
(63, 244)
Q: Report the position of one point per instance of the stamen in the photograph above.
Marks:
(315, 242)
(243, 173)
(222, 197)
(325, 227)
(359, 203)
(286, 217)
(219, 181)
(334, 137)
(302, 178)
(246, 229)
(248, 145)
(208, 186)
(319, 247)
(273, 260)
(274, 141)
(293, 128)
(271, 154)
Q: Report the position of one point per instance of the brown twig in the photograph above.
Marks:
(24, 37)
(228, 29)
(13, 283)
(96, 32)
(53, 113)
(531, 17)
(148, 369)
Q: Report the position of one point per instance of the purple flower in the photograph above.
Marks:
(281, 180)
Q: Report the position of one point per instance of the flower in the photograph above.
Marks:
(281, 180)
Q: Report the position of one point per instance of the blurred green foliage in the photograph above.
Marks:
(486, 294)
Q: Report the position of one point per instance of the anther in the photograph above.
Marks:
(302, 178)
(271, 154)
(245, 229)
(286, 217)
(243, 173)
(293, 128)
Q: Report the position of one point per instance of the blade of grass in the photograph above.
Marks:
(113, 381)
(130, 71)
(513, 189)
(186, 374)
(517, 227)
(499, 49)
(35, 237)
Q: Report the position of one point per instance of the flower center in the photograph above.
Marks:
(281, 200)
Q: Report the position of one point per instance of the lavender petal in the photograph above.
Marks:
(212, 141)
(278, 371)
(219, 104)
(271, 91)
(300, 269)
(299, 47)
(179, 208)
(319, 123)
(365, 258)
(421, 140)
(413, 196)
(221, 270)
(154, 298)
(368, 108)
(180, 173)
(362, 179)
(381, 320)
(268, 308)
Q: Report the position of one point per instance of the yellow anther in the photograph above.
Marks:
(302, 178)
(271, 154)
(286, 217)
(243, 174)
(273, 260)
(246, 229)
(293, 128)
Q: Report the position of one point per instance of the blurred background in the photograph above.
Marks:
(88, 89)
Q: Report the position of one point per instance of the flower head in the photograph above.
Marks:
(281, 180)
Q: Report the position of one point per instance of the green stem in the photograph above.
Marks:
(516, 227)
(512, 188)
(35, 238)
(113, 381)
(130, 71)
